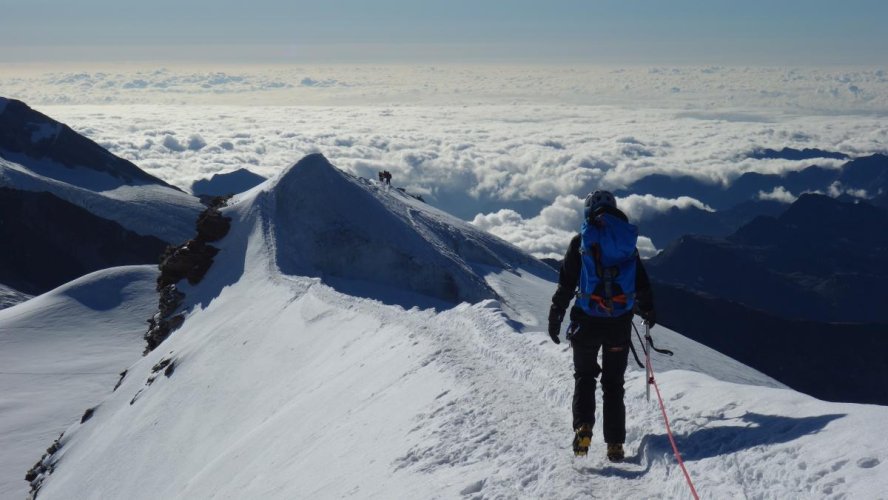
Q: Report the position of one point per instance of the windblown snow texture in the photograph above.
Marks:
(289, 385)
(62, 352)
(10, 296)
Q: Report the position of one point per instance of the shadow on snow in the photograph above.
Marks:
(759, 430)
(708, 442)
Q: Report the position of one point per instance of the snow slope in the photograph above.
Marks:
(10, 296)
(352, 342)
(148, 209)
(38, 153)
(61, 352)
(52, 149)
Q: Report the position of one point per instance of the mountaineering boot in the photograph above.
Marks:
(615, 452)
(582, 440)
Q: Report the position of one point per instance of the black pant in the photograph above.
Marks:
(612, 337)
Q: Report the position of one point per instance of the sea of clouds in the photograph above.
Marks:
(512, 149)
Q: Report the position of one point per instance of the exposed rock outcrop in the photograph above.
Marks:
(189, 261)
(43, 468)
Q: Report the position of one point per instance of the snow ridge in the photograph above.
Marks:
(148, 209)
(287, 384)
(329, 223)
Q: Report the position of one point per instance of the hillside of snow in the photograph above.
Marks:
(351, 341)
(38, 153)
(148, 209)
(10, 296)
(60, 353)
(52, 149)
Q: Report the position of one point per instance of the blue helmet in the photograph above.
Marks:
(598, 199)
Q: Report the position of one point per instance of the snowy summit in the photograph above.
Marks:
(351, 341)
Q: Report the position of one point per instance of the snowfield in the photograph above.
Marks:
(351, 341)
(146, 209)
(60, 353)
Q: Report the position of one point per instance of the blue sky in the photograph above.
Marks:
(594, 31)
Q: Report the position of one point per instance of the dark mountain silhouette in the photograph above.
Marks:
(749, 185)
(228, 183)
(666, 227)
(723, 269)
(831, 361)
(38, 142)
(795, 154)
(868, 173)
(814, 262)
(46, 242)
(665, 186)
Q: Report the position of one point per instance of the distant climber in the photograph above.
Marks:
(603, 269)
(381, 174)
(387, 176)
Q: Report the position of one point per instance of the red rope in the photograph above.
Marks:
(669, 433)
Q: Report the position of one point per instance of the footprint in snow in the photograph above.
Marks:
(838, 465)
(473, 488)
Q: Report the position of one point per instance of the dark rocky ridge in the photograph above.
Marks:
(44, 467)
(190, 261)
(796, 154)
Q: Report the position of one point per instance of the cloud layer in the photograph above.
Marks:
(532, 161)
(547, 234)
(710, 92)
(514, 149)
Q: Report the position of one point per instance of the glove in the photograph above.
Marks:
(649, 317)
(555, 318)
(554, 330)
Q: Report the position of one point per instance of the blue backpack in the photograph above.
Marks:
(607, 276)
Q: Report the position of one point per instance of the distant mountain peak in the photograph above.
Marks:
(812, 209)
(795, 154)
(331, 224)
(50, 148)
(221, 184)
(40, 154)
